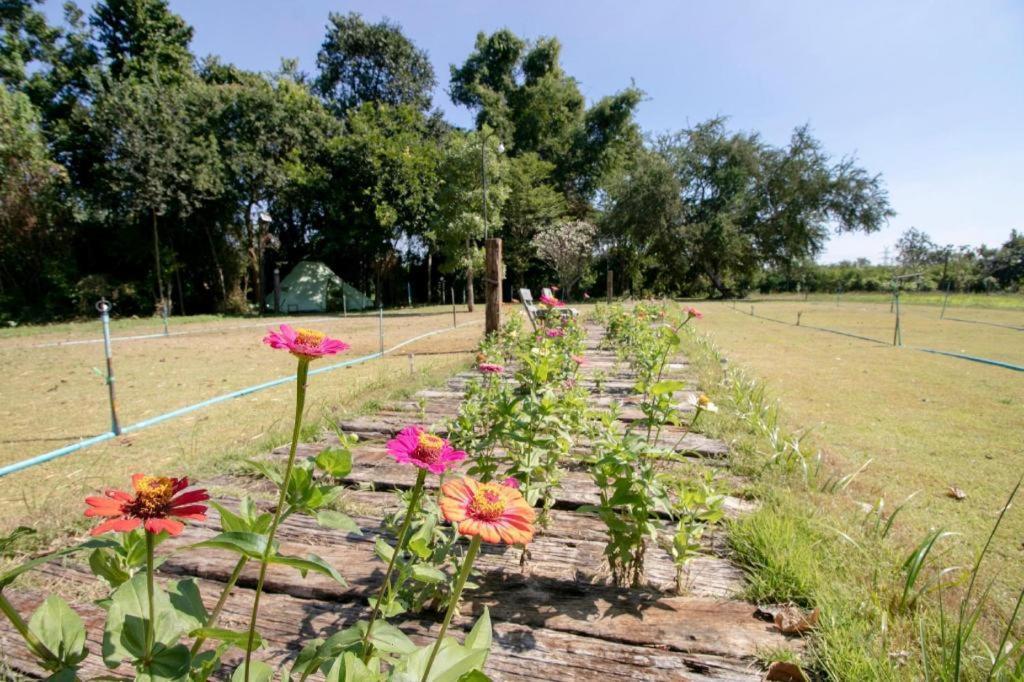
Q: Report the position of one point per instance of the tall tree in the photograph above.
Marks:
(568, 247)
(458, 223)
(533, 204)
(362, 62)
(140, 36)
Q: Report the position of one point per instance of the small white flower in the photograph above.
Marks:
(700, 401)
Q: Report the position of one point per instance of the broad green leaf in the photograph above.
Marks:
(60, 629)
(231, 522)
(328, 518)
(419, 543)
(310, 563)
(667, 386)
(269, 471)
(427, 574)
(336, 462)
(480, 636)
(124, 635)
(259, 672)
(390, 640)
(474, 676)
(251, 545)
(169, 664)
(187, 603)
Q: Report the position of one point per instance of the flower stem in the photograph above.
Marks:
(34, 643)
(467, 565)
(151, 623)
(300, 400)
(403, 537)
(215, 614)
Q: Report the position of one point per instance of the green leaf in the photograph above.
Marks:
(336, 462)
(169, 664)
(233, 637)
(667, 386)
(390, 640)
(231, 522)
(310, 563)
(258, 672)
(474, 676)
(60, 629)
(428, 574)
(8, 577)
(383, 550)
(251, 545)
(328, 518)
(187, 603)
(124, 635)
(8, 541)
(419, 543)
(110, 566)
(480, 636)
(269, 471)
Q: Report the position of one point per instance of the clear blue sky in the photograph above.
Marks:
(930, 94)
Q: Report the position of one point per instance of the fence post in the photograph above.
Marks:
(411, 370)
(751, 311)
(798, 314)
(380, 311)
(492, 285)
(344, 305)
(163, 309)
(610, 286)
(945, 300)
(104, 309)
(453, 306)
(897, 335)
(408, 292)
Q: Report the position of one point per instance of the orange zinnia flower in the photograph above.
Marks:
(155, 502)
(495, 512)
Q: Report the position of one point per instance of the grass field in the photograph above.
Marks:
(926, 422)
(53, 396)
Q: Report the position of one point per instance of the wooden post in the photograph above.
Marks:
(611, 289)
(492, 288)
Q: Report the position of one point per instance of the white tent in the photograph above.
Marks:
(312, 287)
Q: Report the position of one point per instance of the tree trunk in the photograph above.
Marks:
(430, 265)
(217, 266)
(469, 276)
(156, 260)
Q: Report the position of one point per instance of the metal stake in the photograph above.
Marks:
(453, 306)
(163, 307)
(897, 336)
(381, 326)
(411, 370)
(104, 309)
(344, 305)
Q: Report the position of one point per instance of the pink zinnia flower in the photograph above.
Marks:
(551, 301)
(586, 296)
(304, 343)
(490, 368)
(159, 504)
(693, 312)
(555, 333)
(414, 445)
(511, 482)
(579, 359)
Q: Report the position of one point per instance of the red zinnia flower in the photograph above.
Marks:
(494, 511)
(156, 505)
(304, 343)
(551, 301)
(554, 333)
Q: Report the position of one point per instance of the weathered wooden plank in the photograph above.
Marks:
(520, 652)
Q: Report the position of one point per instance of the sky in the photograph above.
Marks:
(929, 94)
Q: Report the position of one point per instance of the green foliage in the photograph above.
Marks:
(361, 62)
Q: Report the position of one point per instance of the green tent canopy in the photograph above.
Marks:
(312, 287)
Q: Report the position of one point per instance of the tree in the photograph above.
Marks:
(533, 204)
(30, 185)
(361, 62)
(1008, 263)
(142, 36)
(568, 247)
(152, 163)
(915, 249)
(520, 90)
(458, 223)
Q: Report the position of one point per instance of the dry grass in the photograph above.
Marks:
(53, 397)
(926, 421)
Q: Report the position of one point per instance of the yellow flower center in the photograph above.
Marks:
(309, 337)
(428, 448)
(703, 400)
(152, 496)
(488, 503)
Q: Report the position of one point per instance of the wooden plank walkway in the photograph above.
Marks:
(557, 618)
